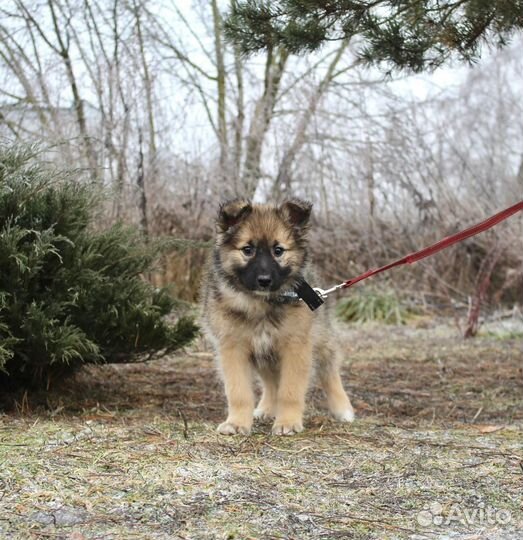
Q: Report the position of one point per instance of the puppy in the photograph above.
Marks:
(256, 325)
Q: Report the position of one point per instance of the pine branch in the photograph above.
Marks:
(402, 34)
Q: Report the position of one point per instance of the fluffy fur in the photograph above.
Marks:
(261, 252)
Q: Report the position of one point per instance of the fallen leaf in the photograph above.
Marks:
(488, 429)
(75, 535)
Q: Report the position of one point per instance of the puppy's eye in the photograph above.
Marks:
(278, 251)
(248, 250)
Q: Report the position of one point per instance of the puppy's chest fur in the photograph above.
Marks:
(263, 327)
(265, 344)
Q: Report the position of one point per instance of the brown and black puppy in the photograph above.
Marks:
(259, 256)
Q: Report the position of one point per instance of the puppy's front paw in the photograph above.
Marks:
(230, 428)
(287, 428)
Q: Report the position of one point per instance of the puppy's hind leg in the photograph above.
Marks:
(266, 408)
(329, 375)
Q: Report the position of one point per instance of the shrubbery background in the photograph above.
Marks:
(71, 294)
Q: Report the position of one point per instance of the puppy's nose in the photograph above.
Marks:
(264, 281)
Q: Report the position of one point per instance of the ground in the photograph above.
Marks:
(131, 451)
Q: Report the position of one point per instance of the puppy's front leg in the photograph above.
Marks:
(237, 374)
(296, 361)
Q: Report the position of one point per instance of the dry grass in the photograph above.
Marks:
(131, 451)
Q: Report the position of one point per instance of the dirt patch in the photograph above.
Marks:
(130, 451)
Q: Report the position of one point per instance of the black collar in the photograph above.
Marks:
(302, 291)
(287, 297)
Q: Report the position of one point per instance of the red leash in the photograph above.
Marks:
(426, 252)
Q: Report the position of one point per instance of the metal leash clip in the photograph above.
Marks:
(314, 297)
(325, 292)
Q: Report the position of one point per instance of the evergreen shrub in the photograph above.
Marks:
(70, 293)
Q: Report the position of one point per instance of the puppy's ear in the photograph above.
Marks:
(232, 212)
(297, 212)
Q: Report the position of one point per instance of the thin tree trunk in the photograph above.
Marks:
(370, 186)
(144, 173)
(122, 150)
(482, 285)
(121, 164)
(221, 87)
(140, 181)
(519, 177)
(148, 85)
(63, 51)
(9, 56)
(282, 185)
(274, 69)
(239, 121)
